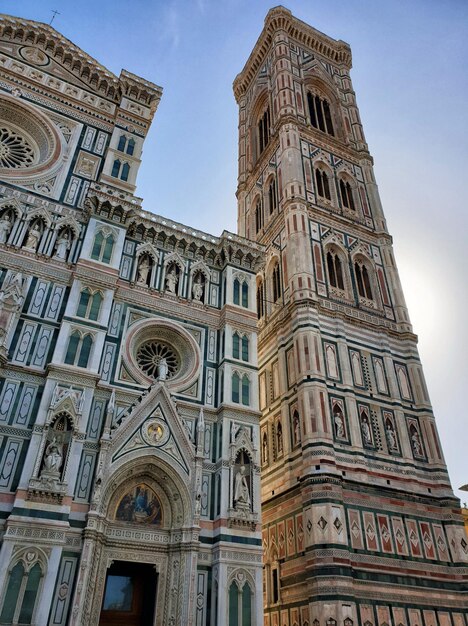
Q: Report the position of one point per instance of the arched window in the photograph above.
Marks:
(240, 605)
(131, 147)
(122, 143)
(116, 168)
(125, 172)
(258, 216)
(320, 113)
(241, 293)
(236, 291)
(346, 192)
(335, 270)
(235, 346)
(272, 196)
(21, 594)
(363, 280)
(245, 348)
(323, 185)
(260, 301)
(245, 390)
(263, 130)
(89, 305)
(103, 247)
(276, 279)
(245, 295)
(79, 349)
(235, 383)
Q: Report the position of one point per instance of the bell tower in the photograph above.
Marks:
(360, 524)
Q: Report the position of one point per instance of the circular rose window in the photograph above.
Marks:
(154, 355)
(158, 349)
(15, 150)
(29, 141)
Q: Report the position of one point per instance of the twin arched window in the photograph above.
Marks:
(240, 347)
(276, 280)
(335, 270)
(126, 145)
(260, 300)
(21, 593)
(79, 349)
(323, 185)
(89, 305)
(240, 605)
(363, 282)
(272, 196)
(320, 113)
(346, 192)
(258, 216)
(240, 389)
(103, 247)
(120, 170)
(263, 130)
(241, 293)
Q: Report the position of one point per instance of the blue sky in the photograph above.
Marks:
(410, 78)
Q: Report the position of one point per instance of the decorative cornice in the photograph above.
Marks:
(280, 18)
(78, 62)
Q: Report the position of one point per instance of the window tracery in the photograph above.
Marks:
(322, 183)
(15, 149)
(320, 113)
(78, 349)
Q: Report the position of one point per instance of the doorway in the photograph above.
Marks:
(129, 595)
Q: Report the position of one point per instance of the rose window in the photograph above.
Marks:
(15, 150)
(153, 354)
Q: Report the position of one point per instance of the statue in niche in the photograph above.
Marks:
(416, 442)
(34, 236)
(339, 422)
(53, 457)
(391, 436)
(234, 430)
(241, 490)
(264, 448)
(279, 438)
(62, 246)
(171, 280)
(11, 300)
(143, 270)
(5, 227)
(198, 288)
(366, 430)
(297, 429)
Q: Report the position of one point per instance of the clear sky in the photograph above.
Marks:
(410, 78)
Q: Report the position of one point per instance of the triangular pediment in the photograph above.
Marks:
(50, 52)
(147, 248)
(154, 426)
(174, 257)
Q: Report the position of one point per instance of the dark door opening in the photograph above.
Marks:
(129, 595)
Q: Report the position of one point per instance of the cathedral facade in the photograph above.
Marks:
(149, 372)
(360, 525)
(129, 422)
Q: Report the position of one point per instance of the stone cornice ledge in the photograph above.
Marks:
(336, 51)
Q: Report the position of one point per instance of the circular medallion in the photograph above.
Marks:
(34, 56)
(155, 432)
